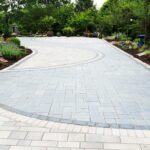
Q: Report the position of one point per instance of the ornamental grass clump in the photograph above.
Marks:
(14, 40)
(68, 31)
(11, 52)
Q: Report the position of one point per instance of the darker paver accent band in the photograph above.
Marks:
(82, 123)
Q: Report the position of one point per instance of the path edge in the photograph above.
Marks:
(34, 52)
(129, 55)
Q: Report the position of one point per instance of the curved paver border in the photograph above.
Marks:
(67, 121)
(99, 56)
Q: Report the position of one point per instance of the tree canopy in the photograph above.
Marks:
(131, 17)
(83, 5)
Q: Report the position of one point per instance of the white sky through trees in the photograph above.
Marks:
(99, 3)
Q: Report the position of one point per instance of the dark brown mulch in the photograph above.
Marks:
(133, 52)
(11, 62)
(145, 59)
(4, 65)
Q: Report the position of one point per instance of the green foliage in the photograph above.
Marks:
(68, 31)
(129, 17)
(1, 25)
(127, 45)
(83, 5)
(135, 45)
(47, 22)
(31, 19)
(136, 40)
(14, 41)
(147, 52)
(122, 37)
(1, 39)
(84, 21)
(145, 47)
(11, 52)
(62, 15)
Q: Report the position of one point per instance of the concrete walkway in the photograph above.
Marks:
(98, 86)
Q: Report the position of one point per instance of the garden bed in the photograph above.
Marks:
(11, 52)
(4, 65)
(133, 52)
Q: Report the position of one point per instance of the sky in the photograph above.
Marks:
(99, 3)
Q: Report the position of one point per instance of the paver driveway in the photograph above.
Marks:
(102, 86)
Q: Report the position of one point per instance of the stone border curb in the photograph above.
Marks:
(34, 52)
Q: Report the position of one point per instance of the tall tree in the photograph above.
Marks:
(147, 19)
(62, 15)
(82, 5)
(57, 3)
(84, 21)
(8, 7)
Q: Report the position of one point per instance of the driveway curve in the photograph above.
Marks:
(85, 81)
(55, 52)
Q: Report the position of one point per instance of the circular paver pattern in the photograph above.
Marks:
(51, 54)
(109, 92)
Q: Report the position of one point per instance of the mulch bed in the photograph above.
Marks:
(145, 59)
(4, 64)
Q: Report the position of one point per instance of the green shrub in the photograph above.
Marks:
(135, 46)
(114, 36)
(14, 40)
(136, 40)
(121, 37)
(11, 52)
(58, 34)
(144, 47)
(1, 39)
(147, 52)
(110, 38)
(68, 31)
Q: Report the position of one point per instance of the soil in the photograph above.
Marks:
(11, 62)
(145, 59)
